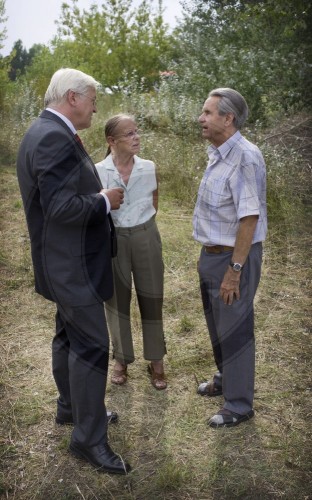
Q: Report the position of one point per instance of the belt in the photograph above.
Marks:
(218, 249)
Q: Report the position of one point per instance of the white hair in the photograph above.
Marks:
(66, 79)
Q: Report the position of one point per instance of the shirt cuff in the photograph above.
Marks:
(108, 205)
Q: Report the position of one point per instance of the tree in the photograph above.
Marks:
(115, 43)
(43, 65)
(261, 48)
(4, 61)
(3, 19)
(19, 60)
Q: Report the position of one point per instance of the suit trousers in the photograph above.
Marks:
(231, 327)
(139, 257)
(80, 352)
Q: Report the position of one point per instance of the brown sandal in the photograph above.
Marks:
(158, 379)
(119, 377)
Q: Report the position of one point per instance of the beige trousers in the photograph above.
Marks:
(139, 258)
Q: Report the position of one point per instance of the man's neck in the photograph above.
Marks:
(63, 117)
(225, 137)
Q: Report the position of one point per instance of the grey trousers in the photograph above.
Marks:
(231, 327)
(80, 351)
(139, 257)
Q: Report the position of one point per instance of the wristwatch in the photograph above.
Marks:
(236, 266)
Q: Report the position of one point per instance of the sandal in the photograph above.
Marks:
(119, 377)
(209, 389)
(227, 418)
(158, 379)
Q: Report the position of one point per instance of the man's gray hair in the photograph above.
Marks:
(66, 79)
(231, 101)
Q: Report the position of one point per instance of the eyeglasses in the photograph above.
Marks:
(131, 134)
(92, 99)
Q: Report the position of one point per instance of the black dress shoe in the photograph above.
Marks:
(63, 421)
(112, 418)
(102, 457)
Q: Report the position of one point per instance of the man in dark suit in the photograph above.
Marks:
(71, 234)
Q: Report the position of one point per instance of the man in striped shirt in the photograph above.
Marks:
(230, 223)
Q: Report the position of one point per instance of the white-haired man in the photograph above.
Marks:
(71, 235)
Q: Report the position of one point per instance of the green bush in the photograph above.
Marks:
(171, 138)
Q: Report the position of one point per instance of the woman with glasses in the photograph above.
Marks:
(139, 255)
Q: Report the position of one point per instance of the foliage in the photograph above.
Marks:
(21, 58)
(164, 108)
(17, 118)
(18, 61)
(4, 62)
(38, 74)
(2, 21)
(284, 199)
(263, 49)
(4, 79)
(114, 42)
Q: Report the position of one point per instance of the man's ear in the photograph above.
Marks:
(229, 118)
(72, 97)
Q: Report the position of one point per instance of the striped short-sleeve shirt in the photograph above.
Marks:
(233, 187)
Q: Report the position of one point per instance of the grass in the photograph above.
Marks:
(164, 435)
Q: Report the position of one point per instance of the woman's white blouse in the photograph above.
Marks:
(138, 193)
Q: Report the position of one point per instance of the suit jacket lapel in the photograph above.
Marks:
(52, 116)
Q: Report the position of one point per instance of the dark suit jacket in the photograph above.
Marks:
(67, 221)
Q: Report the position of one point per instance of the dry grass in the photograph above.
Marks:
(164, 435)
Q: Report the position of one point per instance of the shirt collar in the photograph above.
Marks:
(64, 118)
(223, 150)
(111, 166)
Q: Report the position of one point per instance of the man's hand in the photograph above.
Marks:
(115, 196)
(229, 290)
